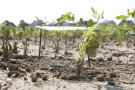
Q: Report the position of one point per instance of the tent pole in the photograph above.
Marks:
(40, 43)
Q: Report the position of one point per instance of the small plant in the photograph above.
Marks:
(36, 34)
(92, 42)
(105, 34)
(15, 47)
(45, 33)
(130, 30)
(88, 46)
(15, 32)
(98, 16)
(56, 38)
(89, 43)
(25, 36)
(7, 48)
(65, 17)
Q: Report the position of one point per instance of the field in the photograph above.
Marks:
(111, 69)
(99, 58)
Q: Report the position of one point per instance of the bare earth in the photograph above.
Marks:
(110, 59)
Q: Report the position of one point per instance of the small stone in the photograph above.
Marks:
(113, 75)
(109, 79)
(28, 69)
(4, 88)
(111, 83)
(1, 53)
(10, 73)
(101, 79)
(45, 77)
(25, 78)
(72, 77)
(40, 73)
(90, 77)
(109, 58)
(3, 65)
(118, 53)
(14, 67)
(9, 81)
(22, 70)
(34, 78)
(0, 85)
(93, 73)
(15, 75)
(100, 59)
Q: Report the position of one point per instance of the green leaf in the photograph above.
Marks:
(93, 10)
(102, 15)
(124, 22)
(96, 14)
(69, 13)
(122, 17)
(90, 31)
(98, 17)
(80, 50)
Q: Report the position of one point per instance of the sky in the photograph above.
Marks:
(16, 10)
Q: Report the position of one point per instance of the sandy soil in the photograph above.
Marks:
(121, 64)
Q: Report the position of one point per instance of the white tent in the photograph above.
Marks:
(61, 28)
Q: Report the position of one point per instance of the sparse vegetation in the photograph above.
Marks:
(100, 49)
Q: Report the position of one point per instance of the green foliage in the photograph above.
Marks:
(29, 32)
(80, 22)
(90, 23)
(89, 32)
(122, 17)
(81, 50)
(89, 42)
(91, 46)
(105, 33)
(120, 33)
(24, 34)
(65, 17)
(88, 46)
(96, 15)
(6, 34)
(132, 14)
